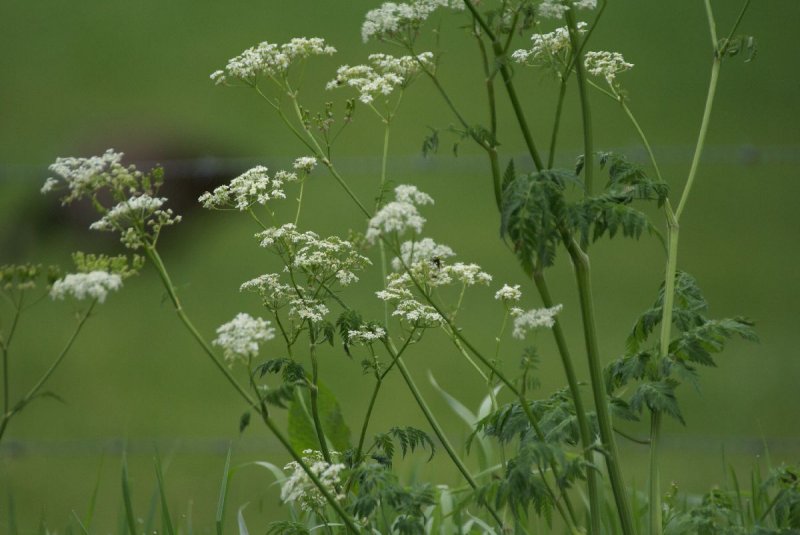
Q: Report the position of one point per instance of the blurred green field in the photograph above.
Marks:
(81, 77)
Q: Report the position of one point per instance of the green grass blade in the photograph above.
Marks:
(77, 520)
(189, 527)
(223, 493)
(242, 525)
(738, 491)
(93, 500)
(166, 520)
(130, 518)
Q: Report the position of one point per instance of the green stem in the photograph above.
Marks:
(701, 139)
(158, 263)
(586, 115)
(300, 201)
(5, 348)
(314, 395)
(562, 91)
(581, 264)
(438, 431)
(587, 440)
(381, 247)
(346, 518)
(10, 413)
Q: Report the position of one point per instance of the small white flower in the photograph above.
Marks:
(533, 319)
(606, 64)
(399, 215)
(468, 274)
(241, 337)
(308, 309)
(381, 77)
(305, 163)
(555, 9)
(95, 285)
(548, 49)
(424, 250)
(299, 488)
(508, 293)
(268, 286)
(136, 208)
(392, 19)
(366, 334)
(270, 59)
(49, 185)
(251, 187)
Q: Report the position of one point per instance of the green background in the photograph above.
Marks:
(79, 77)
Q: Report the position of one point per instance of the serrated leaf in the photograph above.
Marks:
(658, 396)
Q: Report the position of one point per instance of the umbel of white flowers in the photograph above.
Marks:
(382, 77)
(400, 214)
(533, 319)
(93, 285)
(241, 337)
(299, 488)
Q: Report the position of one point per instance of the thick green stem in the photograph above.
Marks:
(562, 91)
(587, 440)
(314, 395)
(581, 264)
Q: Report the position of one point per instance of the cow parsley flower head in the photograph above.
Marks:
(533, 319)
(401, 20)
(399, 215)
(251, 187)
(274, 292)
(548, 49)
(287, 233)
(308, 309)
(424, 250)
(305, 164)
(555, 9)
(85, 176)
(508, 293)
(468, 274)
(300, 489)
(94, 285)
(129, 211)
(331, 257)
(384, 74)
(366, 334)
(607, 65)
(269, 59)
(241, 337)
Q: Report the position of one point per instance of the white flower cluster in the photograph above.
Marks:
(382, 77)
(299, 488)
(271, 59)
(406, 307)
(270, 288)
(555, 9)
(392, 20)
(606, 64)
(366, 334)
(137, 208)
(508, 293)
(240, 338)
(424, 250)
(533, 319)
(331, 257)
(252, 187)
(548, 48)
(84, 176)
(287, 233)
(307, 309)
(400, 214)
(305, 164)
(94, 285)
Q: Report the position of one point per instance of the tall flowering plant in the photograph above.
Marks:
(538, 456)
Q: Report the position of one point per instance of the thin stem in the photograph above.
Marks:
(701, 138)
(381, 246)
(586, 115)
(5, 348)
(300, 201)
(10, 413)
(158, 263)
(562, 91)
(346, 518)
(438, 431)
(583, 277)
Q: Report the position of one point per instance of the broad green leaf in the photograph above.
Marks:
(302, 433)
